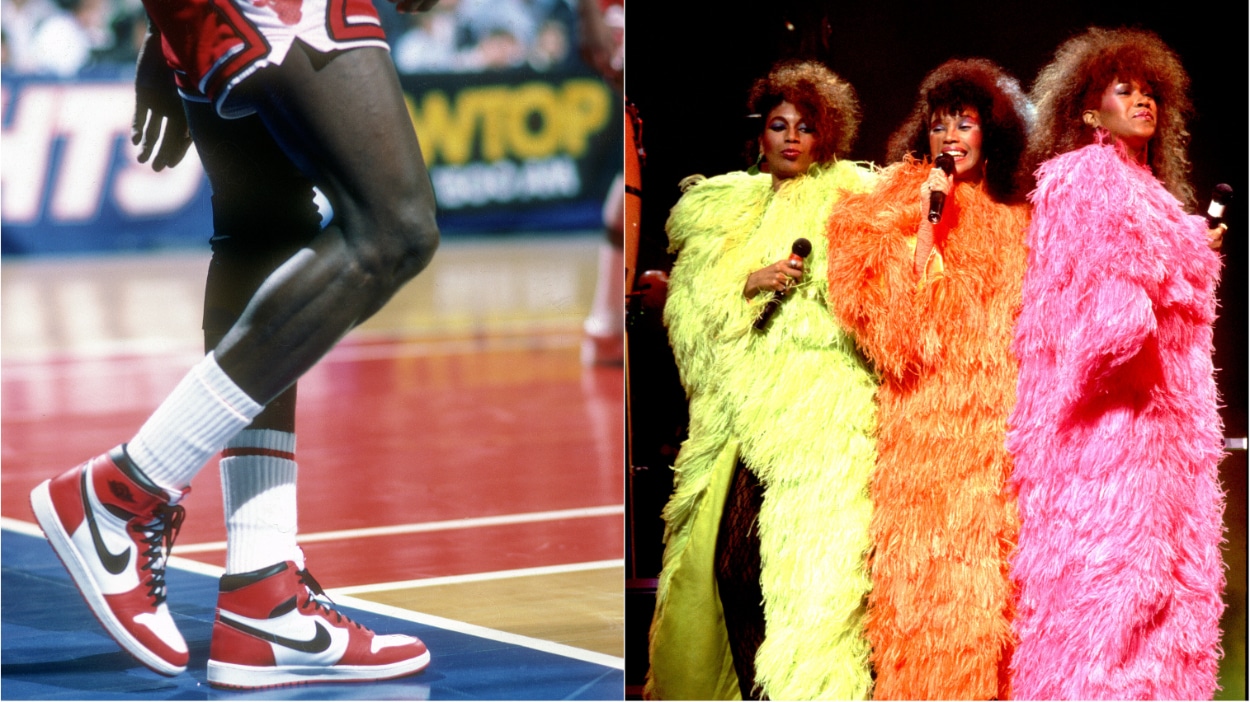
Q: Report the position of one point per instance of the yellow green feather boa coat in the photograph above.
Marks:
(797, 403)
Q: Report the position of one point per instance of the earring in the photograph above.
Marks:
(760, 165)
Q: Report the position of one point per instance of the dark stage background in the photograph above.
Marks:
(690, 65)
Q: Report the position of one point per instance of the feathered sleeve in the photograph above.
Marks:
(1110, 250)
(872, 285)
(710, 218)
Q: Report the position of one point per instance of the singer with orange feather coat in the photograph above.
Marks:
(933, 307)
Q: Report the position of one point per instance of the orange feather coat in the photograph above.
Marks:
(944, 525)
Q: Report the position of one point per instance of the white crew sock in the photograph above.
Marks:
(607, 311)
(191, 425)
(258, 473)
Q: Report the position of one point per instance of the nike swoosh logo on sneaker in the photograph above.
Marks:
(316, 644)
(114, 563)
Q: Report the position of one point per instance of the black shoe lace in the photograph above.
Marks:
(159, 535)
(321, 602)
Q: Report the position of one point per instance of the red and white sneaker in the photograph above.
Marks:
(113, 528)
(272, 629)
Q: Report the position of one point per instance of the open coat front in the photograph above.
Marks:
(796, 402)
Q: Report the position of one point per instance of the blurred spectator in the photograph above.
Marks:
(20, 19)
(501, 48)
(601, 39)
(429, 42)
(480, 19)
(58, 38)
(499, 32)
(63, 43)
(128, 28)
(551, 46)
(477, 35)
(61, 37)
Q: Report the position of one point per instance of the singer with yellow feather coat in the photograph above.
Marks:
(781, 421)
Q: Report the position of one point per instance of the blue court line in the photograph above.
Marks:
(51, 647)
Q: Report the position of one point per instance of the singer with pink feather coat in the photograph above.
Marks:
(1116, 435)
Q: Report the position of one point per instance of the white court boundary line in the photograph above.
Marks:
(603, 659)
(425, 527)
(188, 565)
(482, 577)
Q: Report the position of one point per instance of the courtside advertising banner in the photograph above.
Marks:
(508, 151)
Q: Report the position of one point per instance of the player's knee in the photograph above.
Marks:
(411, 240)
(417, 237)
(399, 247)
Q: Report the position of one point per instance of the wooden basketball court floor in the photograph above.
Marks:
(461, 473)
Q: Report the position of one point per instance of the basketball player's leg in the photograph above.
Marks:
(605, 325)
(112, 519)
(367, 162)
(263, 213)
(342, 119)
(344, 123)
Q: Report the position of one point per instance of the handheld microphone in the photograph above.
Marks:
(798, 251)
(937, 200)
(1219, 199)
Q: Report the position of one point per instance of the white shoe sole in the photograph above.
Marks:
(249, 677)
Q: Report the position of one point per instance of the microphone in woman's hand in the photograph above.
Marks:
(798, 251)
(937, 199)
(1219, 199)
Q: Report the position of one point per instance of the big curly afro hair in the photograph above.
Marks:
(825, 101)
(1005, 117)
(1082, 69)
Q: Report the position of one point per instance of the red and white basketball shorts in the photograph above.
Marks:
(214, 44)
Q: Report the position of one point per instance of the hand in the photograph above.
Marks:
(1215, 237)
(776, 277)
(937, 182)
(158, 109)
(411, 6)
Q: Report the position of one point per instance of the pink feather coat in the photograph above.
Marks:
(1117, 441)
